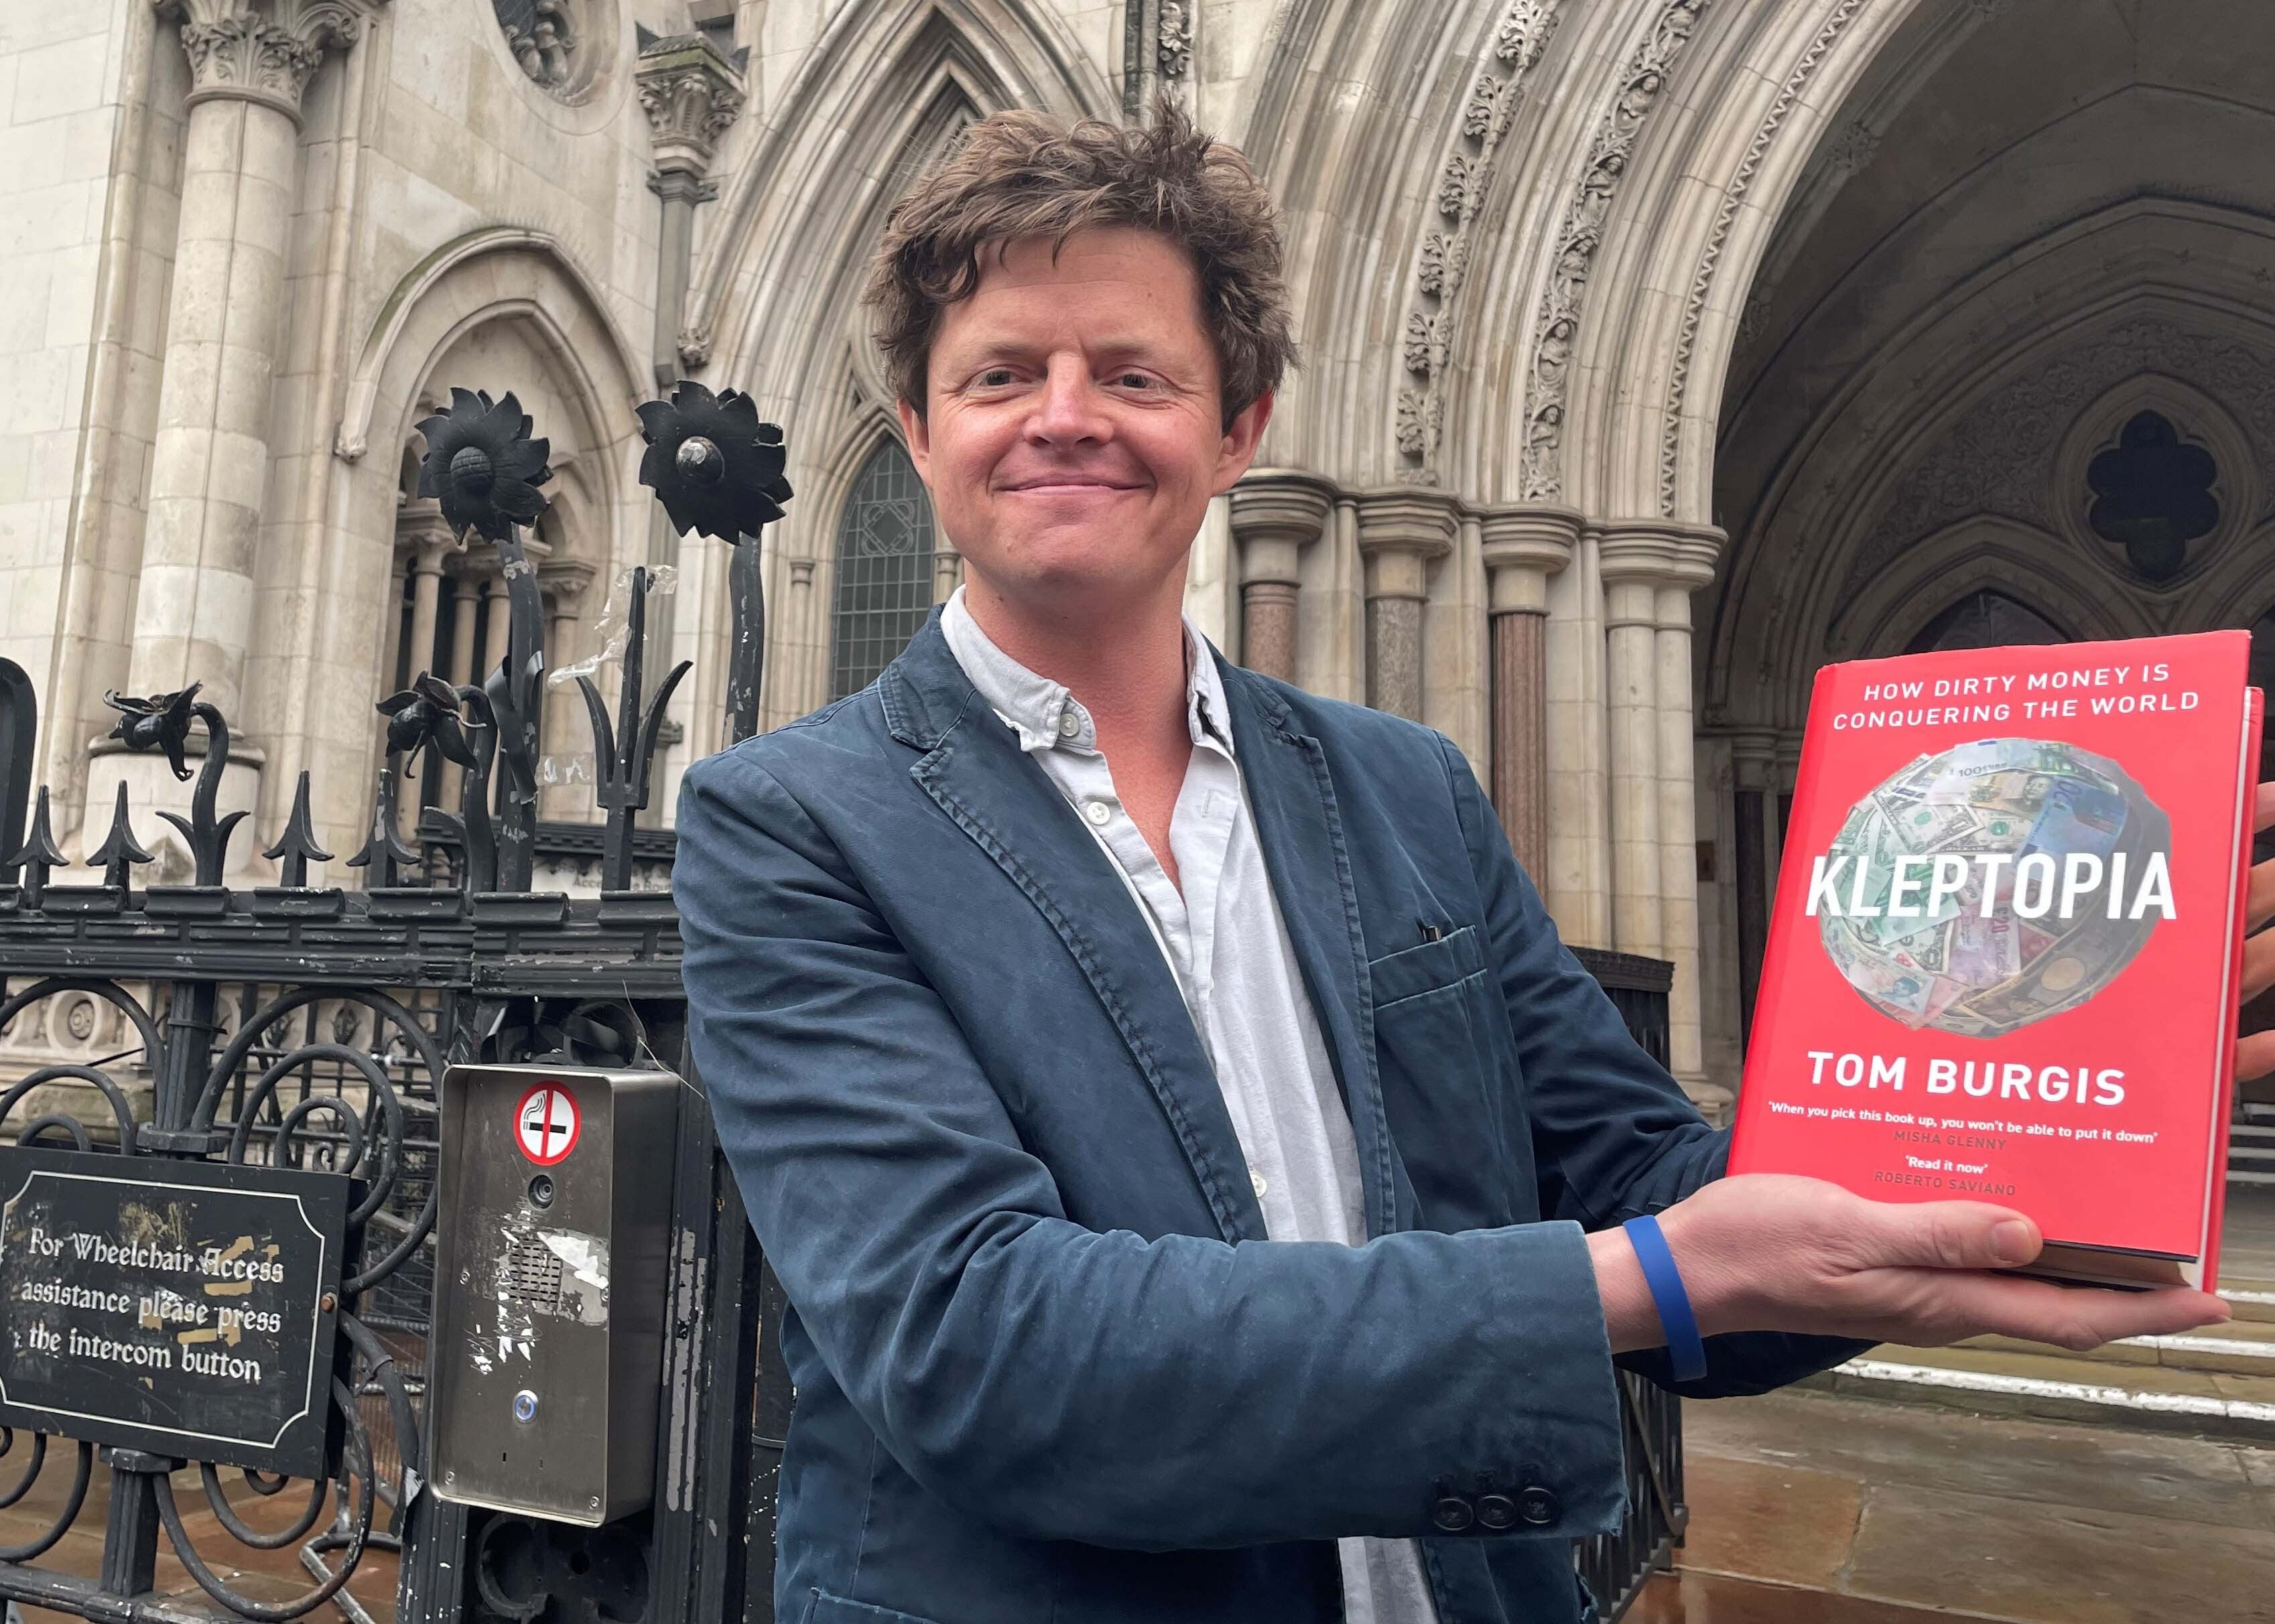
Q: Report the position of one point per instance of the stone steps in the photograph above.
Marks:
(2251, 1147)
(2253, 1301)
(2219, 1382)
(2050, 1384)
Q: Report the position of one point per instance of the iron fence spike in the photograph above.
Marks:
(120, 850)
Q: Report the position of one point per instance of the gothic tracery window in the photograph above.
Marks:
(884, 569)
(2152, 495)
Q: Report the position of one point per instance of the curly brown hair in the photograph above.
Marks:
(1022, 174)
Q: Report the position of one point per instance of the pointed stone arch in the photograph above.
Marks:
(1608, 313)
(503, 275)
(2037, 570)
(779, 287)
(1823, 531)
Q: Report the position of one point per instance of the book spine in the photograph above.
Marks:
(2224, 1105)
(1782, 925)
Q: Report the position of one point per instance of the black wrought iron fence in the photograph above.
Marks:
(269, 1029)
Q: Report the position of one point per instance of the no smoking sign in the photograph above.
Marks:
(546, 1123)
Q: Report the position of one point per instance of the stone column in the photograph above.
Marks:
(1630, 577)
(419, 527)
(561, 725)
(249, 62)
(691, 95)
(1276, 514)
(426, 538)
(1753, 879)
(946, 569)
(194, 606)
(1650, 570)
(1400, 532)
(497, 618)
(1522, 548)
(800, 663)
(459, 667)
(465, 600)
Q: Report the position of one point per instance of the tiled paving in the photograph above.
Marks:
(1812, 1509)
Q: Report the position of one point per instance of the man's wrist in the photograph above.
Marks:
(1686, 1348)
(1630, 1317)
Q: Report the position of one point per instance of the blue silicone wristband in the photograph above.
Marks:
(1684, 1349)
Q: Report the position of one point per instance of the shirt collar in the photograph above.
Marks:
(1046, 716)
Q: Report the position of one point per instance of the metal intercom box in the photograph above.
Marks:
(552, 1232)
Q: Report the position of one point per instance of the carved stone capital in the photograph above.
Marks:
(1276, 512)
(422, 534)
(1658, 553)
(1523, 544)
(564, 582)
(1754, 757)
(1407, 521)
(262, 50)
(691, 95)
(1401, 532)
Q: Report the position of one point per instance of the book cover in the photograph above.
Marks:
(2003, 954)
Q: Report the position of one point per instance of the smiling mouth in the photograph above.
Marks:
(1066, 487)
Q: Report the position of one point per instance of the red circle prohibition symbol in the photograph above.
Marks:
(546, 1124)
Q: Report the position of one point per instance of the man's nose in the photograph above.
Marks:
(1067, 409)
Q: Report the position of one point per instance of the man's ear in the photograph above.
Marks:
(1240, 439)
(918, 433)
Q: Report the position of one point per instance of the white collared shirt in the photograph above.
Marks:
(1228, 948)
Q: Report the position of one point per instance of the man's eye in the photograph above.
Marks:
(1135, 381)
(994, 377)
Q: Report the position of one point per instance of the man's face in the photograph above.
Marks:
(1074, 429)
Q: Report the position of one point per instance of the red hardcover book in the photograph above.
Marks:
(2004, 957)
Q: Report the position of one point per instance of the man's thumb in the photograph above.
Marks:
(1960, 1234)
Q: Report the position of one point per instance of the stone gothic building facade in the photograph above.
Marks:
(1657, 351)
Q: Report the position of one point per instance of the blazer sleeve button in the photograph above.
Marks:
(1496, 1512)
(1453, 1513)
(1539, 1506)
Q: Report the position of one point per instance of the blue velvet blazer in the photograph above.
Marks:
(1048, 1370)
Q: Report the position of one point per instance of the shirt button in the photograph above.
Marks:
(1068, 724)
(1099, 812)
(1256, 1182)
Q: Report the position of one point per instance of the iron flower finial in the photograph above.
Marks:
(163, 720)
(713, 464)
(482, 465)
(428, 709)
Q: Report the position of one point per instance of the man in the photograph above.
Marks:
(1197, 1171)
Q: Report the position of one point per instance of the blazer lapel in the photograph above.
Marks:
(1300, 829)
(1005, 802)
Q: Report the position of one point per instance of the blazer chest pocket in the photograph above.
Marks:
(1434, 1007)
(1428, 966)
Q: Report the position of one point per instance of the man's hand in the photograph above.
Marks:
(1771, 1253)
(2255, 1056)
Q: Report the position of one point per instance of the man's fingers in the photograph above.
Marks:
(2071, 1317)
(2259, 896)
(2258, 966)
(2255, 1055)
